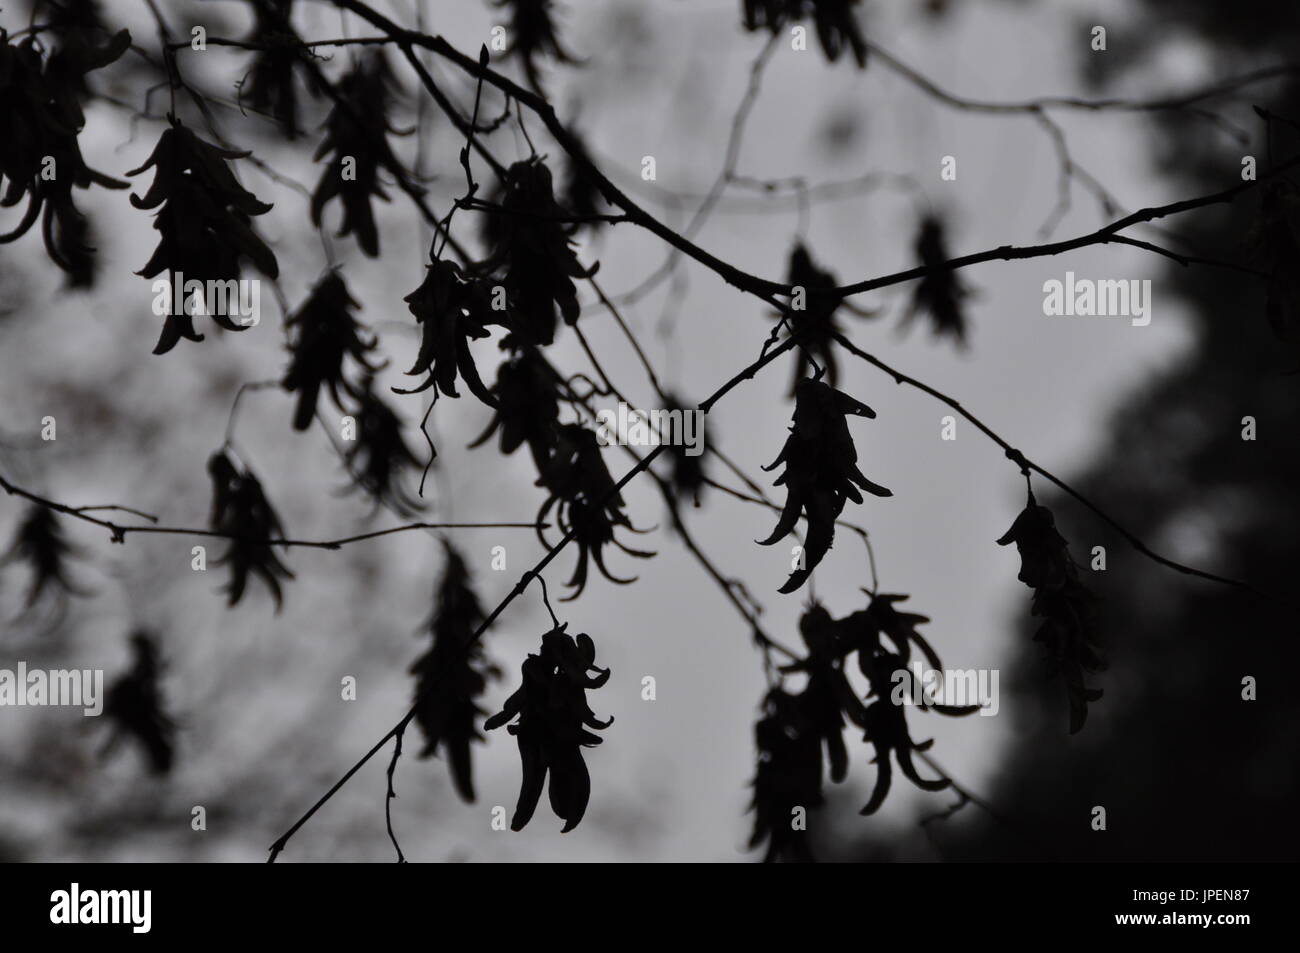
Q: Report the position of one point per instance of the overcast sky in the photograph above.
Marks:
(265, 731)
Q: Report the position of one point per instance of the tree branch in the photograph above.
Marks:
(1026, 465)
(120, 532)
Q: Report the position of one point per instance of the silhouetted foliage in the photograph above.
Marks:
(788, 777)
(356, 140)
(1065, 605)
(866, 626)
(135, 705)
(71, 247)
(452, 675)
(71, 16)
(828, 696)
(939, 294)
(271, 86)
(862, 633)
(204, 224)
(585, 500)
(40, 545)
(835, 22)
(241, 510)
(40, 119)
(379, 458)
(885, 725)
(452, 309)
(323, 335)
(794, 728)
(581, 194)
(491, 224)
(533, 35)
(527, 406)
(814, 322)
(533, 249)
(553, 718)
(821, 471)
(687, 475)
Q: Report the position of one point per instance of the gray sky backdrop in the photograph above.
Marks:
(264, 729)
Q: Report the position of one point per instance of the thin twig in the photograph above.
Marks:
(392, 792)
(1026, 464)
(120, 532)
